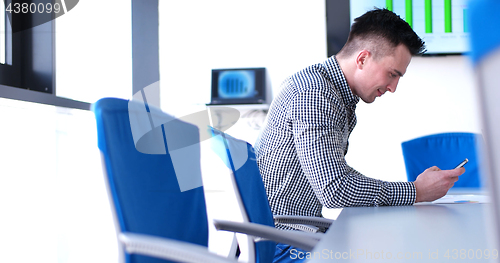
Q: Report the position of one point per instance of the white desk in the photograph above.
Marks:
(418, 233)
(467, 190)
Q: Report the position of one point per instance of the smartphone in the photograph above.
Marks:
(462, 163)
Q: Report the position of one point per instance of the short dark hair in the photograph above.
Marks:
(378, 25)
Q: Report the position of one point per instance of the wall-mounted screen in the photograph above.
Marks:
(442, 24)
(238, 86)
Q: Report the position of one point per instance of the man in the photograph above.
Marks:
(300, 151)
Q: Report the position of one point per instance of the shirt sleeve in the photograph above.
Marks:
(319, 126)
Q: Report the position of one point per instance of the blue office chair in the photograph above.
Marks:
(159, 217)
(239, 157)
(446, 151)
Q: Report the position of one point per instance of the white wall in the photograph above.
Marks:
(197, 36)
(52, 198)
(94, 51)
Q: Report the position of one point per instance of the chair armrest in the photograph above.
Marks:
(306, 241)
(169, 249)
(303, 220)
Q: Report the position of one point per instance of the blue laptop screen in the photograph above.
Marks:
(238, 86)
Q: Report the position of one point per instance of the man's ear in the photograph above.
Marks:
(361, 58)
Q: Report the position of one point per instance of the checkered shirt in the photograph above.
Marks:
(301, 150)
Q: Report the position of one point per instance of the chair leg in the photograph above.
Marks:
(235, 248)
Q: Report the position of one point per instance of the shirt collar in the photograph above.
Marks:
(336, 75)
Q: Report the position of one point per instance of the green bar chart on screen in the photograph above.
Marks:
(447, 16)
(428, 16)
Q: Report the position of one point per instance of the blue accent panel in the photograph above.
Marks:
(446, 151)
(484, 21)
(250, 185)
(144, 187)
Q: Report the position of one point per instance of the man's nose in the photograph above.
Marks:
(392, 86)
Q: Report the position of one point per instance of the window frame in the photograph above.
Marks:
(31, 75)
(145, 57)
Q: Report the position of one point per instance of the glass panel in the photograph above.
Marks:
(94, 52)
(2, 34)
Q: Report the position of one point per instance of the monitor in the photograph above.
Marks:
(443, 25)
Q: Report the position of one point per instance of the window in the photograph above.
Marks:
(29, 70)
(3, 28)
(83, 55)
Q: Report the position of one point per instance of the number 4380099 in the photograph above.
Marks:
(471, 254)
(33, 8)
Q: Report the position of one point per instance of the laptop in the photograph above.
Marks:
(239, 86)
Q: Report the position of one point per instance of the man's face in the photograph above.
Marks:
(374, 77)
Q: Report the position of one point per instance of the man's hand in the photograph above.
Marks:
(434, 183)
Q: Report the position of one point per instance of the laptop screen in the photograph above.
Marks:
(238, 86)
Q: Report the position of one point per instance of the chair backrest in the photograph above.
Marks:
(239, 156)
(145, 190)
(446, 151)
